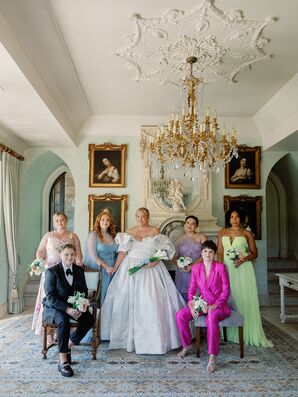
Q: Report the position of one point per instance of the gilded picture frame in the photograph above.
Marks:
(252, 207)
(107, 165)
(244, 172)
(117, 206)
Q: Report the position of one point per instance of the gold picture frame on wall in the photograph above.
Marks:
(117, 206)
(252, 207)
(107, 165)
(244, 172)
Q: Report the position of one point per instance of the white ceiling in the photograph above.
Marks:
(58, 65)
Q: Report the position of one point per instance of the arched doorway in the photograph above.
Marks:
(58, 196)
(277, 217)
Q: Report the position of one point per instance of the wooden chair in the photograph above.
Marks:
(235, 320)
(93, 283)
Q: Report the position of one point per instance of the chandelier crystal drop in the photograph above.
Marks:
(190, 141)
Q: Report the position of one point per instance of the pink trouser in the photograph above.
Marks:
(183, 317)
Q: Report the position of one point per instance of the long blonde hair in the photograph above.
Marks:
(111, 228)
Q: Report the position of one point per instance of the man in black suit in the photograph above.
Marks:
(61, 281)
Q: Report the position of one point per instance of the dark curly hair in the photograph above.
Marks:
(240, 212)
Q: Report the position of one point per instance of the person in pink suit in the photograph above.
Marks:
(212, 281)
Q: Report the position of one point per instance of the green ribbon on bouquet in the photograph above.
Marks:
(159, 255)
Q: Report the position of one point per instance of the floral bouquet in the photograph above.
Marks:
(234, 255)
(37, 267)
(158, 256)
(199, 303)
(79, 301)
(184, 261)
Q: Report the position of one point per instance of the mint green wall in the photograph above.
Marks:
(269, 159)
(36, 170)
(78, 163)
(39, 165)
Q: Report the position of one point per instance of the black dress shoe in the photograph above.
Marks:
(65, 369)
(68, 358)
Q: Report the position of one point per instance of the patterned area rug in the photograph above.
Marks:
(262, 372)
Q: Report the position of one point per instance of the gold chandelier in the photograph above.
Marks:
(190, 141)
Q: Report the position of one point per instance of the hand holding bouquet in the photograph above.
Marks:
(158, 256)
(37, 267)
(199, 304)
(78, 301)
(183, 262)
(234, 254)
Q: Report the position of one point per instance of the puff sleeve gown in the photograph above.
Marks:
(245, 294)
(139, 310)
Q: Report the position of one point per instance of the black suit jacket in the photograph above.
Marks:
(57, 289)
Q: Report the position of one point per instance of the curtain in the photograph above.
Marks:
(10, 198)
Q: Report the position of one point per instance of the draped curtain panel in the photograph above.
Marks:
(10, 196)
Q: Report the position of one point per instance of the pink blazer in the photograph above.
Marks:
(215, 290)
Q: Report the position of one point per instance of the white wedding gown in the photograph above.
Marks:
(139, 312)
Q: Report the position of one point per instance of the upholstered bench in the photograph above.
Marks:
(235, 320)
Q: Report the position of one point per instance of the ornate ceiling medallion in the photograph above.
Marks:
(223, 41)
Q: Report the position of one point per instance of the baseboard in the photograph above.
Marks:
(3, 310)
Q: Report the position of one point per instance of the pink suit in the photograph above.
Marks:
(214, 290)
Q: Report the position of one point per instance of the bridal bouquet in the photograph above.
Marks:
(37, 267)
(79, 301)
(234, 254)
(199, 303)
(184, 261)
(158, 256)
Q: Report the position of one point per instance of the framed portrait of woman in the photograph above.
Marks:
(244, 172)
(252, 208)
(117, 206)
(107, 165)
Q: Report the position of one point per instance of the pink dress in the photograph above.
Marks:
(52, 259)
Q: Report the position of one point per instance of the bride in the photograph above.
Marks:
(139, 310)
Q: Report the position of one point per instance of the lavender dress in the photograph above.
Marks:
(186, 246)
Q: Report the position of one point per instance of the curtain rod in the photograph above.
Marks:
(4, 148)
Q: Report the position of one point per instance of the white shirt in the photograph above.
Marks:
(68, 277)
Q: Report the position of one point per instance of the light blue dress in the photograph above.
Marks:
(104, 251)
(95, 248)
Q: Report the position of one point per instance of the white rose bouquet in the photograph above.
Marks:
(37, 267)
(158, 256)
(199, 303)
(184, 261)
(233, 254)
(79, 301)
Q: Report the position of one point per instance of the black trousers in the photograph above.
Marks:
(62, 320)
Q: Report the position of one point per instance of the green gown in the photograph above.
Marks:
(244, 293)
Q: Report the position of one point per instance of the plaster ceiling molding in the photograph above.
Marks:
(224, 42)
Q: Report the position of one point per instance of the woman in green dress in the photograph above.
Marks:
(237, 249)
